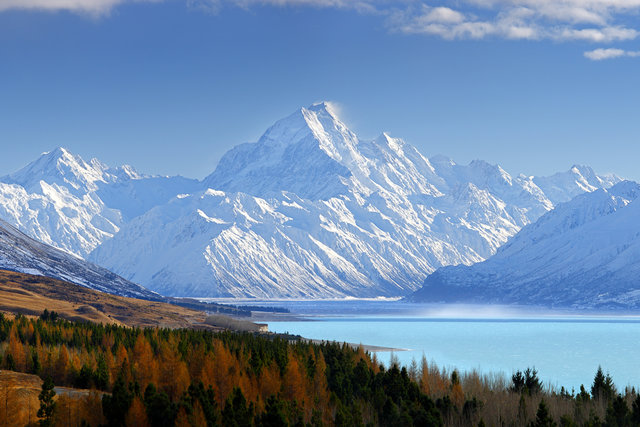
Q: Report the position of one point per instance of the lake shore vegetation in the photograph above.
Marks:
(121, 376)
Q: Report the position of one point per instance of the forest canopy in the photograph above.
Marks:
(167, 377)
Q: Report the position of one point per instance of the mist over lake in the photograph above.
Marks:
(566, 348)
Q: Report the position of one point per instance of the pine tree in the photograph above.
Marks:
(522, 410)
(236, 412)
(35, 365)
(9, 362)
(115, 407)
(617, 412)
(635, 411)
(532, 382)
(517, 382)
(47, 405)
(543, 418)
(101, 375)
(602, 387)
(273, 415)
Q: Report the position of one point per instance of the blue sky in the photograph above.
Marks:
(169, 86)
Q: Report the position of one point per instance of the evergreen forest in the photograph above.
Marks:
(191, 377)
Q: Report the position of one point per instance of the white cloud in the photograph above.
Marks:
(457, 25)
(609, 53)
(593, 21)
(443, 15)
(102, 7)
(92, 7)
(339, 4)
(598, 21)
(599, 35)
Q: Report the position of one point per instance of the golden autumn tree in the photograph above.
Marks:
(208, 374)
(182, 419)
(197, 415)
(144, 362)
(137, 414)
(174, 377)
(196, 359)
(61, 367)
(90, 410)
(294, 379)
(17, 351)
(223, 372)
(457, 395)
(269, 383)
(425, 384)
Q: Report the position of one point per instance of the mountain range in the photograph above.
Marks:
(582, 254)
(74, 205)
(308, 211)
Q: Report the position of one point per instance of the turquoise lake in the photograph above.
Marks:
(565, 349)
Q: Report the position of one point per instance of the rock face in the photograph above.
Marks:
(583, 254)
(25, 255)
(310, 210)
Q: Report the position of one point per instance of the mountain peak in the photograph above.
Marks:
(385, 137)
(395, 144)
(311, 142)
(583, 170)
(563, 186)
(57, 165)
(58, 154)
(324, 107)
(317, 120)
(60, 166)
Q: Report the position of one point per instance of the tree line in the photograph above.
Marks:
(189, 377)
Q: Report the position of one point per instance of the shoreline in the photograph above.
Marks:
(365, 347)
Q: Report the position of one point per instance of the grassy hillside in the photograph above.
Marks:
(31, 295)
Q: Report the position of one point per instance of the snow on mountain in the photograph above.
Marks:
(310, 210)
(75, 205)
(564, 186)
(61, 168)
(20, 253)
(585, 254)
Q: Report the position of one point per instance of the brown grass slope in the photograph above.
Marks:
(30, 295)
(19, 252)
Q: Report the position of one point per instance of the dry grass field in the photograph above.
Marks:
(19, 402)
(30, 295)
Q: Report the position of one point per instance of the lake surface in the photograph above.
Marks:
(565, 348)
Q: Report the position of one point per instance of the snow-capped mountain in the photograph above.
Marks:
(20, 253)
(584, 254)
(564, 186)
(311, 210)
(75, 205)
